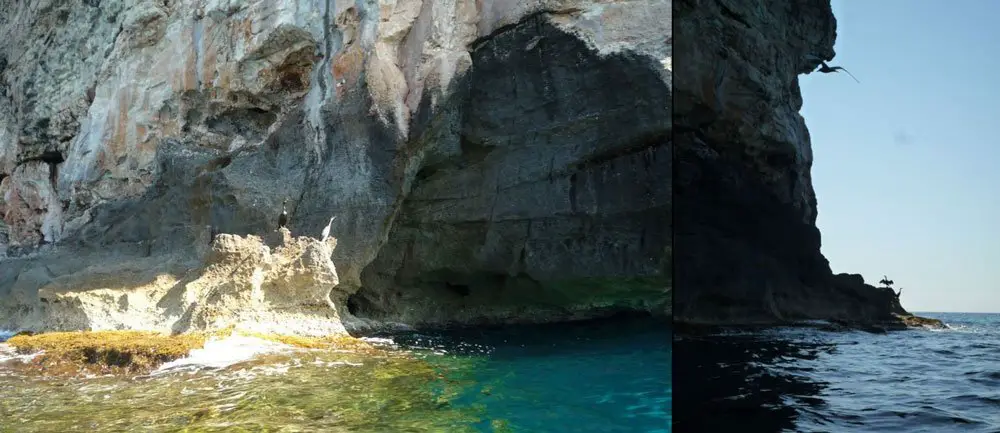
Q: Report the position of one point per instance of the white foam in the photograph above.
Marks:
(336, 363)
(221, 353)
(379, 341)
(8, 353)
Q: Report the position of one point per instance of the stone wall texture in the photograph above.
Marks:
(486, 160)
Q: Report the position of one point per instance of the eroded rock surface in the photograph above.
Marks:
(486, 161)
(745, 229)
(290, 287)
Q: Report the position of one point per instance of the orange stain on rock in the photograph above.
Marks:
(117, 143)
(347, 66)
(242, 30)
(189, 76)
(210, 58)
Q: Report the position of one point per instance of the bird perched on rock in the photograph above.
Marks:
(283, 218)
(886, 281)
(326, 230)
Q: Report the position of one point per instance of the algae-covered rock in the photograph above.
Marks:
(108, 351)
(137, 352)
(334, 384)
(913, 321)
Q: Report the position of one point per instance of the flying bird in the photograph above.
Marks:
(326, 230)
(283, 218)
(826, 69)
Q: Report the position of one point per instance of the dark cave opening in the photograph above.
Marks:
(51, 157)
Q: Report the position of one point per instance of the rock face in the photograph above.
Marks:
(745, 227)
(241, 282)
(486, 161)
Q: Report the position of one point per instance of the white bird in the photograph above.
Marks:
(326, 230)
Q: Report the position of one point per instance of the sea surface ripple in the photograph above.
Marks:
(811, 380)
(598, 376)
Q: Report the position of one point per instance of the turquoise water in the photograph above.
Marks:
(607, 376)
(604, 376)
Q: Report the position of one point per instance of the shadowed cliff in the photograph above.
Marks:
(486, 161)
(747, 246)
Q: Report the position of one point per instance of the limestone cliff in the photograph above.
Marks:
(274, 285)
(748, 250)
(486, 160)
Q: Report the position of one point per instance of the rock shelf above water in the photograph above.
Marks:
(276, 284)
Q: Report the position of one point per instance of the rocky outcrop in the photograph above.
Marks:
(279, 285)
(745, 228)
(486, 161)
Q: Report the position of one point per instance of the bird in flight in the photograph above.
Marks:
(826, 69)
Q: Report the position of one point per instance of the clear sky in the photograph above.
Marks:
(907, 163)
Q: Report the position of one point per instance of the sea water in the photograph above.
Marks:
(603, 376)
(814, 380)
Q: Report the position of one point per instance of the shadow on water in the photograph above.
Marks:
(616, 334)
(728, 385)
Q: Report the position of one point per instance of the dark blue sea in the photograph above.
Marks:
(811, 380)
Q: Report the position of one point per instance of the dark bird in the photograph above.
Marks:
(326, 230)
(826, 69)
(885, 281)
(283, 218)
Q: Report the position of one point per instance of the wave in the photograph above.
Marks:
(378, 341)
(222, 353)
(8, 353)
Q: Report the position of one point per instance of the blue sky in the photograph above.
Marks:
(907, 163)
